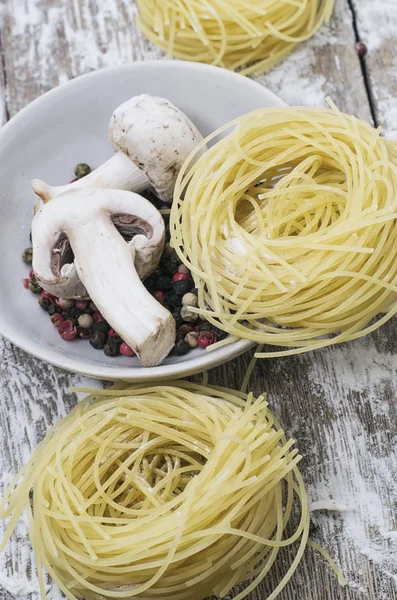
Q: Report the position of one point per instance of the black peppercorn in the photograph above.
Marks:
(169, 265)
(101, 326)
(98, 340)
(177, 316)
(173, 299)
(81, 170)
(53, 309)
(204, 326)
(112, 346)
(74, 313)
(181, 347)
(163, 283)
(181, 287)
(149, 285)
(83, 333)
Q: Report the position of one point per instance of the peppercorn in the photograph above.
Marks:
(160, 296)
(163, 283)
(126, 350)
(205, 326)
(46, 299)
(181, 287)
(149, 284)
(34, 286)
(177, 317)
(53, 309)
(25, 283)
(189, 299)
(74, 313)
(181, 347)
(183, 269)
(112, 346)
(81, 170)
(27, 256)
(81, 304)
(179, 335)
(173, 299)
(206, 338)
(191, 339)
(67, 330)
(113, 333)
(98, 340)
(169, 265)
(84, 333)
(97, 316)
(185, 329)
(64, 303)
(85, 321)
(101, 326)
(56, 319)
(188, 315)
(180, 277)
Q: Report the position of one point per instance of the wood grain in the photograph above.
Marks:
(339, 403)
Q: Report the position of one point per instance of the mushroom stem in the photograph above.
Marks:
(119, 172)
(118, 293)
(109, 268)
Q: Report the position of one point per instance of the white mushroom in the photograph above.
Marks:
(94, 222)
(153, 138)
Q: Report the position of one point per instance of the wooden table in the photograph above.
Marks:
(339, 403)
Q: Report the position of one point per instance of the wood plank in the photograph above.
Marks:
(377, 28)
(329, 400)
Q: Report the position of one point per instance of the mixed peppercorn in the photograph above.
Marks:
(171, 284)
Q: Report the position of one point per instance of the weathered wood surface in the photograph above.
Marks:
(339, 403)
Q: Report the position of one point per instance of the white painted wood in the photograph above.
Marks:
(338, 403)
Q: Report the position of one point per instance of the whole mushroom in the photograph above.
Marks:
(153, 138)
(93, 222)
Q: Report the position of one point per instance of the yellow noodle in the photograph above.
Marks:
(288, 224)
(114, 516)
(232, 33)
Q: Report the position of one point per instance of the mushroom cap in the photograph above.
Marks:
(157, 137)
(135, 218)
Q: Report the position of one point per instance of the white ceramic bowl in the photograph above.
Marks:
(69, 125)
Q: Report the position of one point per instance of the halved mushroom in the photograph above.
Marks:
(94, 222)
(153, 138)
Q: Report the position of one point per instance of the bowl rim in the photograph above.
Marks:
(199, 364)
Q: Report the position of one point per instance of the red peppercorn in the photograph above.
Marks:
(97, 316)
(206, 338)
(81, 304)
(46, 299)
(180, 277)
(361, 49)
(126, 350)
(160, 296)
(25, 283)
(57, 319)
(113, 333)
(67, 330)
(31, 273)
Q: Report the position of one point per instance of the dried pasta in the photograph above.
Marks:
(236, 34)
(172, 491)
(289, 227)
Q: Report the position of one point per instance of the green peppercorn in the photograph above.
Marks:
(27, 256)
(81, 170)
(34, 286)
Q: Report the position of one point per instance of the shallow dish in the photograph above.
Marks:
(69, 125)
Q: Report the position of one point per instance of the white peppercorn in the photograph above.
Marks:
(85, 321)
(189, 299)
